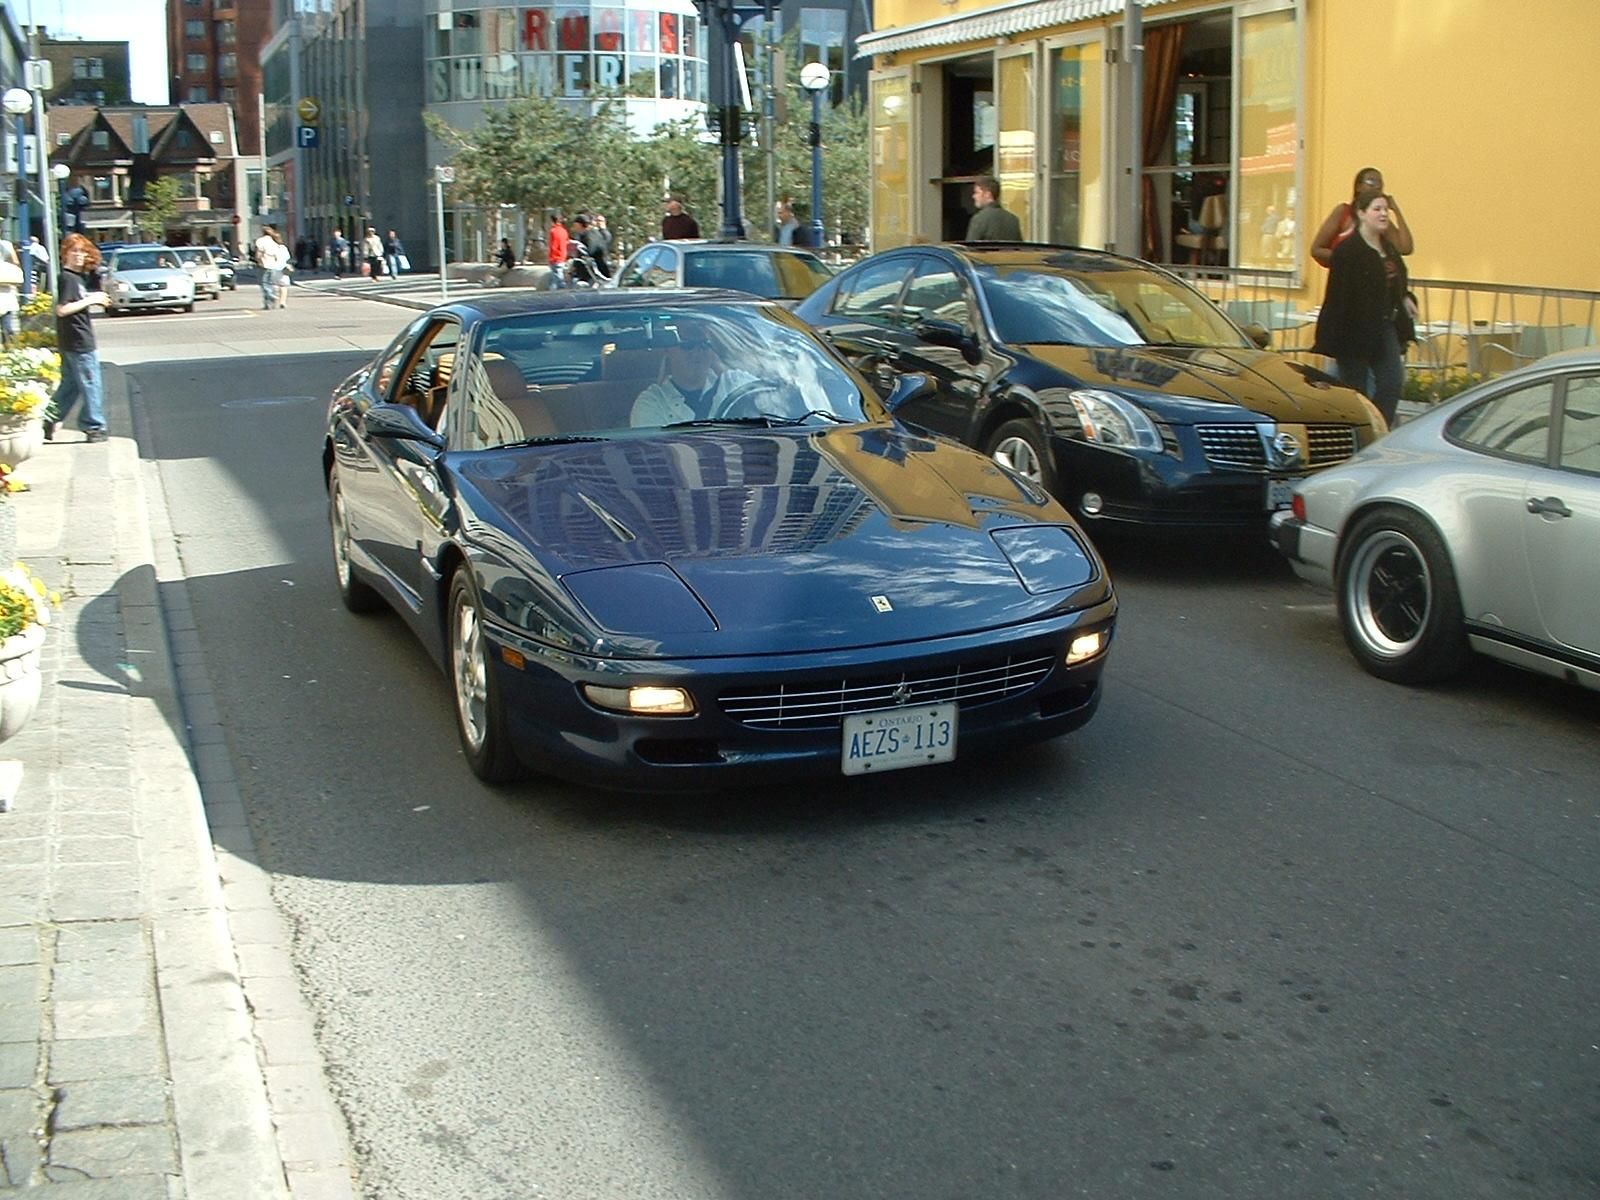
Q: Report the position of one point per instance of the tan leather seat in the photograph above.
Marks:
(509, 386)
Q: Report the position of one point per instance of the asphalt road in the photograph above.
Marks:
(1267, 927)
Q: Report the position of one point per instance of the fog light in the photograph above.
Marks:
(1091, 503)
(1085, 646)
(645, 700)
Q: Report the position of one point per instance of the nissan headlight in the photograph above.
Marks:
(1112, 421)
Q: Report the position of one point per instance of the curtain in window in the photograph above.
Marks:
(1163, 47)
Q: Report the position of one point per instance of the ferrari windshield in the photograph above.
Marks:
(584, 372)
(1077, 302)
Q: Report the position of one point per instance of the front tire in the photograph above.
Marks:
(480, 713)
(1019, 445)
(357, 597)
(1399, 604)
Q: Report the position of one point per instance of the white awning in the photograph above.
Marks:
(107, 218)
(1020, 16)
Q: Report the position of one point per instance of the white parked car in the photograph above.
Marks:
(200, 264)
(1474, 527)
(147, 277)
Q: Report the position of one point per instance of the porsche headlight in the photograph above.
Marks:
(1112, 421)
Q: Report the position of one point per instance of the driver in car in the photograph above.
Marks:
(695, 386)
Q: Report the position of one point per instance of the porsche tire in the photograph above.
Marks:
(1399, 605)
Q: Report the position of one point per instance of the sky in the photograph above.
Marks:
(142, 23)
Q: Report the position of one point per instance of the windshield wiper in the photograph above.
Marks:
(551, 439)
(765, 420)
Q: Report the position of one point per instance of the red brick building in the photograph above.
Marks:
(214, 55)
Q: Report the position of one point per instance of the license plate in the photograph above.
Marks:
(1280, 492)
(900, 737)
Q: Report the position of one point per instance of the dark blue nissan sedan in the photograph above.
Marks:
(670, 541)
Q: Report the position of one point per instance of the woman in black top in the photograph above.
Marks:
(1366, 314)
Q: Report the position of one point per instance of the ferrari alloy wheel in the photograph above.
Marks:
(1018, 445)
(480, 719)
(1398, 601)
(357, 596)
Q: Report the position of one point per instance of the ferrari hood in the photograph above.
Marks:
(1260, 381)
(804, 538)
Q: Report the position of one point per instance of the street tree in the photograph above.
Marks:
(160, 206)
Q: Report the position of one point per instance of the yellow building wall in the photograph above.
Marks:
(1484, 117)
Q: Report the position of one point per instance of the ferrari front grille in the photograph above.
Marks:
(823, 705)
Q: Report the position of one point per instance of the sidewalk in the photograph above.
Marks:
(147, 1000)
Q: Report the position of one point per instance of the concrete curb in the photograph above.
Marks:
(229, 996)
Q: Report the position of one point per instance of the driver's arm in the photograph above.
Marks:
(657, 405)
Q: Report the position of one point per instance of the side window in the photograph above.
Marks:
(1580, 426)
(937, 291)
(425, 377)
(1512, 425)
(871, 294)
(634, 275)
(662, 271)
(389, 365)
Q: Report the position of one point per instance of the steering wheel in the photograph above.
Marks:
(741, 396)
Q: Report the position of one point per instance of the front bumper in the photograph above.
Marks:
(556, 732)
(1160, 491)
(152, 300)
(1310, 549)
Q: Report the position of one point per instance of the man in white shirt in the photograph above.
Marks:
(694, 388)
(39, 264)
(271, 257)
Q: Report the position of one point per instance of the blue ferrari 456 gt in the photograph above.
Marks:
(671, 541)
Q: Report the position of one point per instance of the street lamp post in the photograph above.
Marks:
(19, 103)
(815, 77)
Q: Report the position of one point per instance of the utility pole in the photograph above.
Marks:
(726, 17)
(1130, 234)
(770, 62)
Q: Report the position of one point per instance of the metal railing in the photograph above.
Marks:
(1465, 329)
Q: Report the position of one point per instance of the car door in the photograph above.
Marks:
(1562, 522)
(1509, 434)
(364, 492)
(861, 322)
(407, 508)
(938, 291)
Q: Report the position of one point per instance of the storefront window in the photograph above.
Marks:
(1077, 191)
(891, 156)
(1015, 156)
(1269, 139)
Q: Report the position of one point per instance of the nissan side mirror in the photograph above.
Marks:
(947, 333)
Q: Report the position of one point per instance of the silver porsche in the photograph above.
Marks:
(1473, 527)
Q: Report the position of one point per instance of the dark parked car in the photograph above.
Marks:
(773, 272)
(1110, 382)
(781, 582)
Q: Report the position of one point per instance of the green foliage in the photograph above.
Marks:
(1430, 387)
(160, 206)
(542, 154)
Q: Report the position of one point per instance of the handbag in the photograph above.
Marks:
(405, 263)
(10, 273)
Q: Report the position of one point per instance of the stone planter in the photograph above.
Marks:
(20, 438)
(20, 681)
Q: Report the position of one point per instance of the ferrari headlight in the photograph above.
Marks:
(1085, 646)
(1113, 421)
(641, 701)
